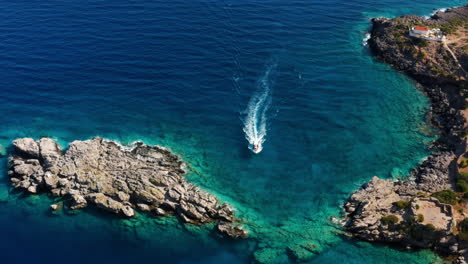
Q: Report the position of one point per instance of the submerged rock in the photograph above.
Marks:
(4, 194)
(303, 252)
(235, 231)
(3, 151)
(118, 180)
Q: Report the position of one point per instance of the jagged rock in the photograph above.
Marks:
(49, 151)
(109, 204)
(50, 180)
(143, 207)
(127, 211)
(117, 179)
(460, 260)
(56, 207)
(123, 197)
(433, 174)
(160, 212)
(32, 189)
(232, 230)
(27, 146)
(77, 201)
(225, 213)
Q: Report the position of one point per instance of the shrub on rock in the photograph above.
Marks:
(402, 204)
(462, 185)
(463, 176)
(463, 229)
(389, 220)
(420, 218)
(464, 163)
(446, 196)
(426, 232)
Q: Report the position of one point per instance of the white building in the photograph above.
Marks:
(425, 33)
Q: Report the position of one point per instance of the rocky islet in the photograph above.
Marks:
(117, 179)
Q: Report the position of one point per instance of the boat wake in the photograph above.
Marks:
(255, 119)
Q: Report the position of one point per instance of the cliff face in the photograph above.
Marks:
(118, 180)
(427, 209)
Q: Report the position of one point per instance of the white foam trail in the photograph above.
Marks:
(255, 121)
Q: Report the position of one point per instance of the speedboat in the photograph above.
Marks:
(256, 148)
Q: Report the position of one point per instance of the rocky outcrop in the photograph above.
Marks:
(405, 211)
(380, 211)
(118, 180)
(429, 62)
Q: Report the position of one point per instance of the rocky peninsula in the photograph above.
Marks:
(117, 179)
(429, 209)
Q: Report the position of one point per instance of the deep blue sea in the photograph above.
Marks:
(203, 77)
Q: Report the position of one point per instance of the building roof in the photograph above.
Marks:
(421, 28)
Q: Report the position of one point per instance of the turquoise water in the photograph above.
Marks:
(182, 74)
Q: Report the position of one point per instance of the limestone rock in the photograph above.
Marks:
(50, 180)
(160, 212)
(232, 230)
(56, 207)
(27, 146)
(117, 179)
(49, 151)
(77, 201)
(143, 207)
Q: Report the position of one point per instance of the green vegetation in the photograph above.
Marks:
(389, 220)
(462, 186)
(430, 227)
(420, 194)
(402, 204)
(418, 231)
(462, 181)
(453, 25)
(420, 42)
(464, 163)
(422, 55)
(463, 229)
(400, 36)
(417, 207)
(436, 69)
(446, 196)
(420, 218)
(424, 232)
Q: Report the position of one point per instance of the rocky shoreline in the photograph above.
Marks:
(427, 209)
(116, 179)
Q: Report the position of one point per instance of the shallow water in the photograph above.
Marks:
(181, 74)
